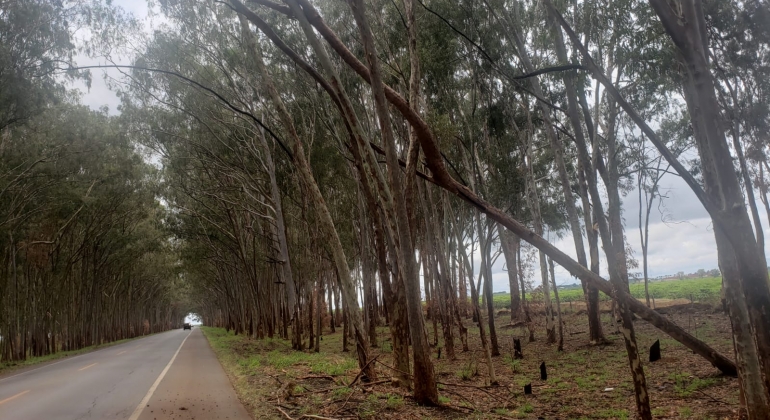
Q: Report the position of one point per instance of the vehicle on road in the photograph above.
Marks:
(187, 326)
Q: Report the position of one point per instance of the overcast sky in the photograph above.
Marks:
(99, 94)
(684, 243)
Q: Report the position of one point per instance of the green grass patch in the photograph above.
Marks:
(685, 412)
(526, 408)
(612, 413)
(685, 385)
(705, 289)
(394, 402)
(341, 392)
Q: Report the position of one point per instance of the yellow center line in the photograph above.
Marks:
(86, 367)
(14, 397)
(122, 352)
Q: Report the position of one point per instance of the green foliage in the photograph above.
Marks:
(341, 392)
(526, 408)
(80, 215)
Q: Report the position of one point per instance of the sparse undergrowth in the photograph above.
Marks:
(584, 382)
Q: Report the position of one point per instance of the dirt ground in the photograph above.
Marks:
(584, 381)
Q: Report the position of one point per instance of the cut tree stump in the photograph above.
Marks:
(655, 351)
(517, 354)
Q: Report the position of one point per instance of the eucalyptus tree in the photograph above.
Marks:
(443, 178)
(87, 259)
(735, 238)
(457, 125)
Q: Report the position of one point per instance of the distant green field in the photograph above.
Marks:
(700, 290)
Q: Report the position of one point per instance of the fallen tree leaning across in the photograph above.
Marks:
(444, 179)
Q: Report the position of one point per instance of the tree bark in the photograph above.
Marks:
(326, 223)
(441, 177)
(723, 196)
(425, 387)
(558, 306)
(510, 252)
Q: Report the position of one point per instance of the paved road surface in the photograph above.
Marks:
(173, 375)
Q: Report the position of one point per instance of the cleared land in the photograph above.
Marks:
(706, 290)
(584, 382)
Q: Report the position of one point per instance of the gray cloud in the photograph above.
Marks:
(100, 94)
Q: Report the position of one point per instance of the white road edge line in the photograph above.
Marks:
(139, 408)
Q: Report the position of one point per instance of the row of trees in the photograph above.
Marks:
(86, 258)
(317, 165)
(327, 157)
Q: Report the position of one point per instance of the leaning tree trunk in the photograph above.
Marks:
(441, 177)
(557, 149)
(596, 335)
(326, 224)
(425, 387)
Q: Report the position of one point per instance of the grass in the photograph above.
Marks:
(702, 289)
(526, 408)
(612, 413)
(394, 402)
(685, 412)
(31, 361)
(685, 384)
(278, 356)
(578, 377)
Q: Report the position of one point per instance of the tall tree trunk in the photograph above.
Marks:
(510, 252)
(596, 335)
(753, 398)
(556, 146)
(425, 387)
(442, 178)
(534, 208)
(527, 317)
(485, 273)
(439, 269)
(325, 221)
(560, 346)
(475, 306)
(482, 332)
(722, 195)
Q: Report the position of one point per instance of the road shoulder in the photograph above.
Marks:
(195, 387)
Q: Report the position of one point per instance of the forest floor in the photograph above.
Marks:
(584, 381)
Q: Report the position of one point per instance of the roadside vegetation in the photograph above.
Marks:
(582, 380)
(328, 180)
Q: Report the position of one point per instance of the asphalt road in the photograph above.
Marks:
(173, 375)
